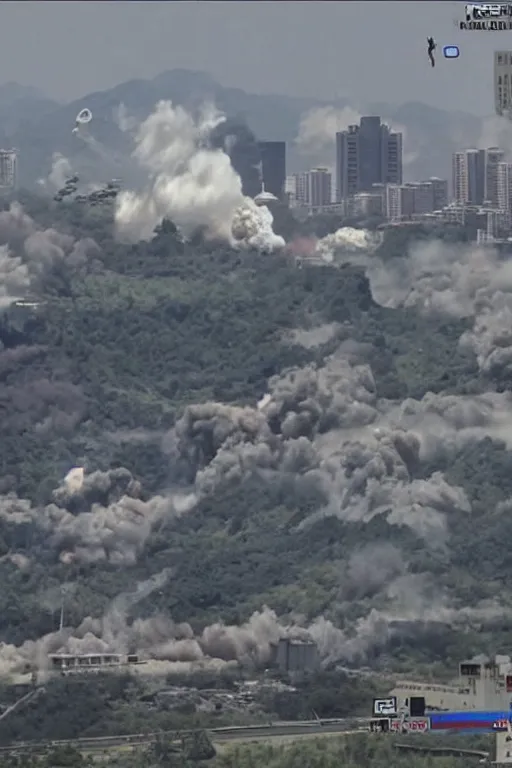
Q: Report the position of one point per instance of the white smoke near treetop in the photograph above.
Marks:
(190, 183)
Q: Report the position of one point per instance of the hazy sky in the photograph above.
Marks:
(365, 50)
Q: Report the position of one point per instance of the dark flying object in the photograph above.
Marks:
(430, 50)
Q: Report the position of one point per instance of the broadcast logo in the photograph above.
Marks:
(493, 17)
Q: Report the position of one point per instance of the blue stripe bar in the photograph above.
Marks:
(468, 717)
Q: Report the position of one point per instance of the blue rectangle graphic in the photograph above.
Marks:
(451, 51)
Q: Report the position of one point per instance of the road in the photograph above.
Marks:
(230, 733)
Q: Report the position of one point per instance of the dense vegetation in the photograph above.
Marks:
(359, 751)
(101, 370)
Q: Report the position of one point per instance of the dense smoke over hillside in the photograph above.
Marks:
(251, 644)
(462, 281)
(322, 430)
(321, 427)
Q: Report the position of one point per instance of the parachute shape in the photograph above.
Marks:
(84, 116)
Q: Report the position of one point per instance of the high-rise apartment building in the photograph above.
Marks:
(399, 201)
(313, 188)
(367, 154)
(503, 82)
(319, 184)
(504, 186)
(8, 168)
(440, 192)
(347, 163)
(273, 166)
(493, 157)
(468, 177)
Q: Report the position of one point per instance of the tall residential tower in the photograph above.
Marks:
(367, 154)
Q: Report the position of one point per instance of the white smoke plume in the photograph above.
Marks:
(458, 280)
(497, 132)
(318, 128)
(346, 239)
(60, 171)
(124, 121)
(193, 185)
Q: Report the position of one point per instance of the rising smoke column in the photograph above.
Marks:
(190, 183)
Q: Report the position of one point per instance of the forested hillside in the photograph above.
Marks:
(320, 505)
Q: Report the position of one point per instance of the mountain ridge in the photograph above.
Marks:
(39, 127)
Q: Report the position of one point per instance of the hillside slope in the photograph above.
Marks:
(365, 494)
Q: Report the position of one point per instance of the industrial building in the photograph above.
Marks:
(503, 83)
(8, 169)
(367, 154)
(273, 166)
(296, 656)
(483, 684)
(67, 662)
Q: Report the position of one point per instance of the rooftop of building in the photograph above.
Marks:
(265, 197)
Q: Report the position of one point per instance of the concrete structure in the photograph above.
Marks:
(347, 163)
(440, 192)
(468, 176)
(484, 685)
(368, 204)
(318, 187)
(367, 154)
(493, 157)
(503, 83)
(399, 201)
(68, 662)
(296, 656)
(273, 166)
(265, 198)
(313, 188)
(504, 188)
(8, 168)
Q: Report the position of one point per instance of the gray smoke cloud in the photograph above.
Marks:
(14, 277)
(38, 402)
(190, 183)
(96, 517)
(26, 252)
(324, 427)
(458, 280)
(252, 644)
